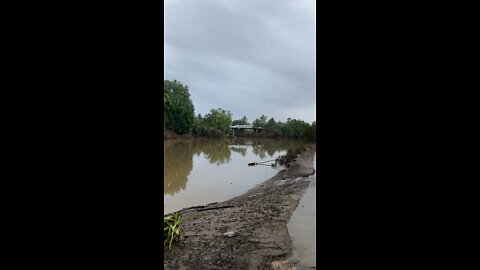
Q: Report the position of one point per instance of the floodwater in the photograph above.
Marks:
(202, 171)
(302, 226)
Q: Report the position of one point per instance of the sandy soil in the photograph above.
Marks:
(257, 220)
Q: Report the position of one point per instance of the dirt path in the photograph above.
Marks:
(257, 220)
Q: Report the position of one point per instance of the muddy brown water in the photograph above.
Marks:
(202, 171)
(302, 227)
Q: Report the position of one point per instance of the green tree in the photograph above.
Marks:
(243, 121)
(271, 125)
(260, 122)
(167, 105)
(311, 133)
(272, 129)
(216, 123)
(219, 119)
(179, 115)
(294, 128)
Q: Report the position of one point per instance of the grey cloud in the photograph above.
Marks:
(249, 57)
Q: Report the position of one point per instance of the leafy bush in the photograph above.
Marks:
(215, 124)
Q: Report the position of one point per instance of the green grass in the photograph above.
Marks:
(171, 228)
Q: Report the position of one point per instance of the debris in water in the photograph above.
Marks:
(274, 164)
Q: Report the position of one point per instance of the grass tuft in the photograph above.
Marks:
(171, 228)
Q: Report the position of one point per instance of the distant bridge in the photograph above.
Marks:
(243, 128)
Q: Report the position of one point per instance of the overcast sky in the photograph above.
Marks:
(250, 57)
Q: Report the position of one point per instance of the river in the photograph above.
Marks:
(202, 171)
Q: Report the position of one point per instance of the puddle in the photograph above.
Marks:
(302, 227)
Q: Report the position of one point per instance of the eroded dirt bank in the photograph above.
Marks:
(248, 231)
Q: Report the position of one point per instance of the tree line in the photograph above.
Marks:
(180, 118)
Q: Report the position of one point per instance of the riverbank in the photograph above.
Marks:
(245, 232)
(169, 135)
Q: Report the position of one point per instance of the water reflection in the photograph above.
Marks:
(178, 155)
(178, 159)
(241, 149)
(217, 153)
(216, 167)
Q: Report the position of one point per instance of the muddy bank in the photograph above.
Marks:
(246, 232)
(168, 135)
